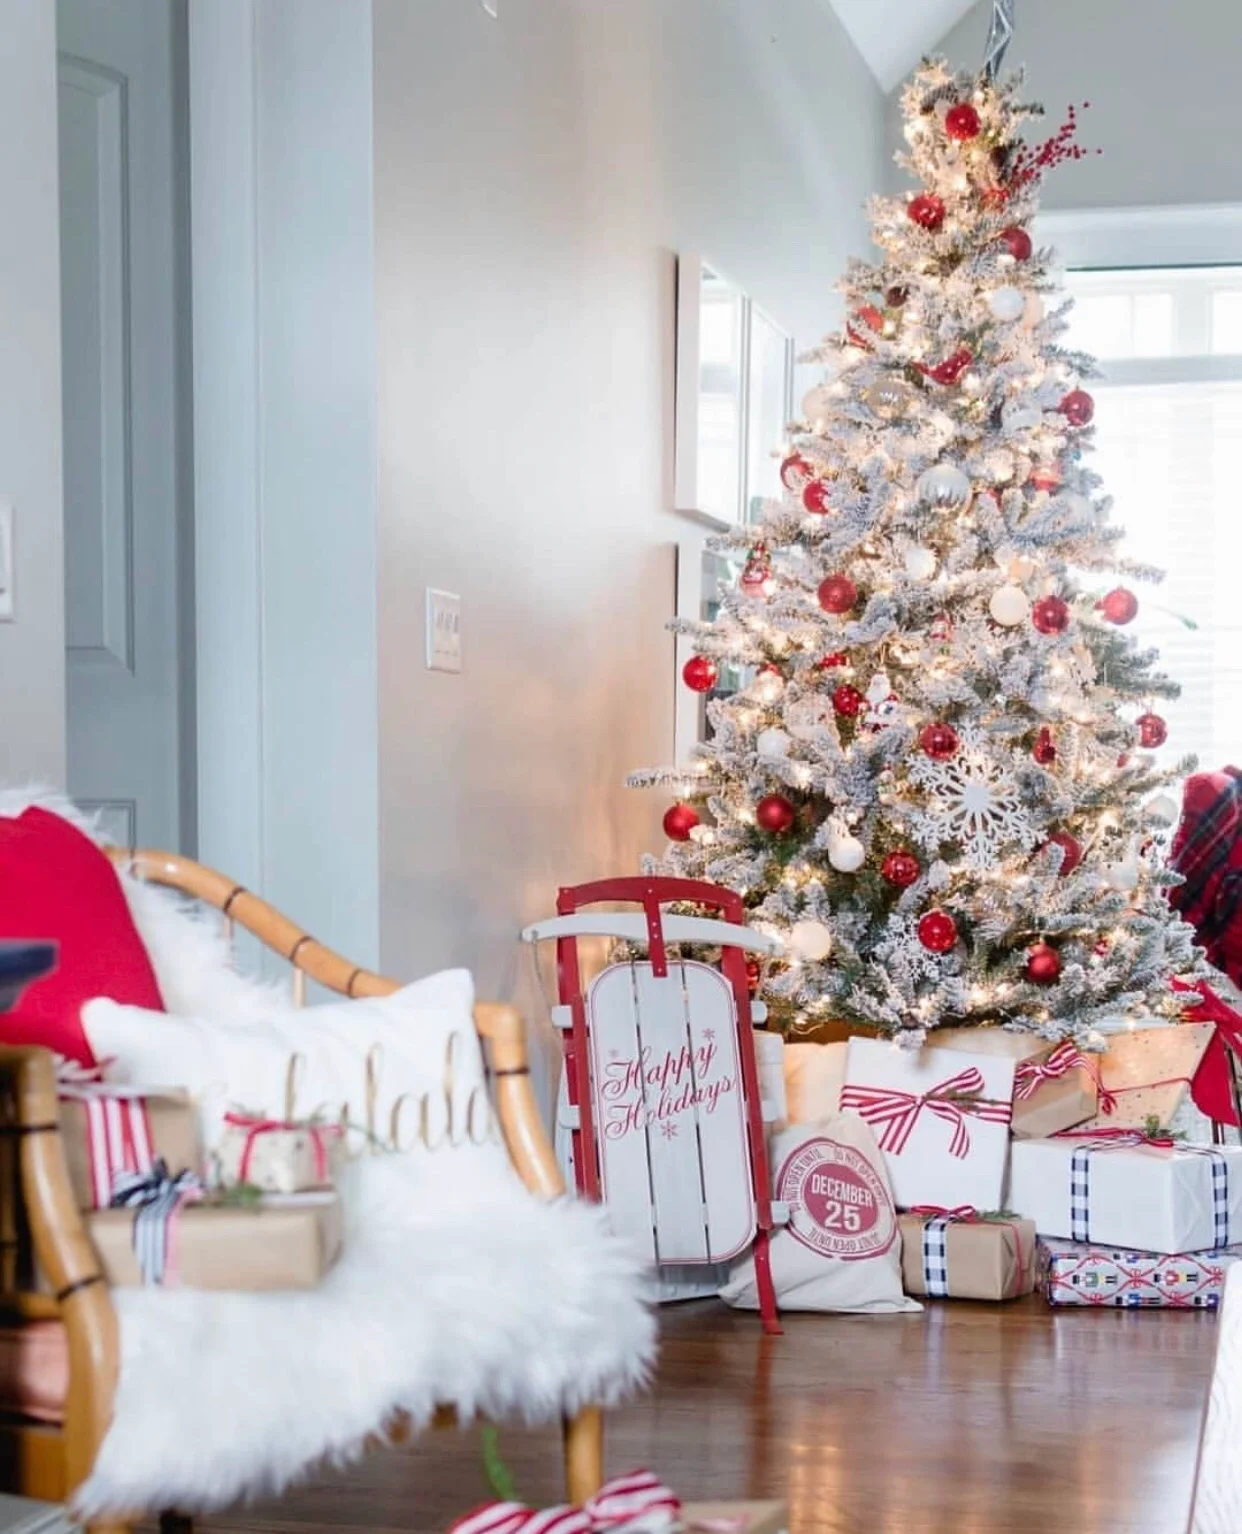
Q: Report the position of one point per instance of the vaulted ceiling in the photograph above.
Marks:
(893, 35)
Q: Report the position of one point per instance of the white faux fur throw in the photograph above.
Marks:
(455, 1287)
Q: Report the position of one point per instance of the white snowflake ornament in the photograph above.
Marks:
(973, 800)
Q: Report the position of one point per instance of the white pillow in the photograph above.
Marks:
(398, 1071)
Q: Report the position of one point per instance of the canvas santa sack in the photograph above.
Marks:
(841, 1247)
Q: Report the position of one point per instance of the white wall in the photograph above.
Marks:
(533, 178)
(1163, 83)
(32, 649)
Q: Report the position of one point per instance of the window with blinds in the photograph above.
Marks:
(1169, 449)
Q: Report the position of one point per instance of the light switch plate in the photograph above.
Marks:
(6, 560)
(443, 630)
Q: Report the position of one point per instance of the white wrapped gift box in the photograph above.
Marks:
(941, 1117)
(1148, 1198)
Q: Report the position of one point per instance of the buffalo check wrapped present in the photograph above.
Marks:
(964, 1255)
(940, 1116)
(1125, 1189)
(278, 1155)
(1076, 1273)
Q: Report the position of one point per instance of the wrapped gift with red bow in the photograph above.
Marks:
(966, 1255)
(1055, 1086)
(278, 1155)
(1145, 1074)
(940, 1116)
(638, 1503)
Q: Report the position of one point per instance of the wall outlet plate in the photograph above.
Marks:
(6, 560)
(443, 630)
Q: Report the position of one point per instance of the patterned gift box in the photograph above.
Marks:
(1054, 1085)
(1076, 1273)
(277, 1156)
(1146, 1073)
(940, 1116)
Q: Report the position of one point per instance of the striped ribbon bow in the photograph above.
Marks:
(118, 1127)
(894, 1113)
(1066, 1057)
(936, 1241)
(157, 1198)
(255, 1126)
(635, 1502)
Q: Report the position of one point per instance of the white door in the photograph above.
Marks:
(125, 328)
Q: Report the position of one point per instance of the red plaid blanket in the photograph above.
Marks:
(1207, 852)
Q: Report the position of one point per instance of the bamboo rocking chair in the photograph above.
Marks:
(50, 1462)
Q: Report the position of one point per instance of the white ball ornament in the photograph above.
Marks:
(810, 940)
(1007, 304)
(1122, 876)
(846, 853)
(920, 562)
(1009, 606)
(772, 743)
(818, 404)
(1162, 810)
(944, 486)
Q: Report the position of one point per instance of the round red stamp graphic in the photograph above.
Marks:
(838, 1204)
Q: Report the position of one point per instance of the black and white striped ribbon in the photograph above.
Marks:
(156, 1197)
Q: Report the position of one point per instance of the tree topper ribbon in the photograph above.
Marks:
(254, 1126)
(894, 1113)
(1066, 1057)
(633, 1503)
(157, 1199)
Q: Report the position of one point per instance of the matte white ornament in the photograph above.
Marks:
(1162, 810)
(1018, 416)
(810, 940)
(920, 562)
(1007, 304)
(1123, 875)
(1033, 310)
(945, 486)
(1009, 606)
(818, 404)
(772, 743)
(848, 855)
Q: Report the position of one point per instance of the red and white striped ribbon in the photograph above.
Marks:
(118, 1129)
(629, 1502)
(893, 1113)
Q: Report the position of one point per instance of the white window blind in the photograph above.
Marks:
(1169, 449)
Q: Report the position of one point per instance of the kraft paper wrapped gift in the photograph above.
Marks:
(814, 1074)
(1075, 1273)
(1144, 1197)
(280, 1242)
(278, 1156)
(1146, 1074)
(983, 1257)
(940, 1116)
(106, 1129)
(1054, 1085)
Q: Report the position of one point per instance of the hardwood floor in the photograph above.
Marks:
(968, 1419)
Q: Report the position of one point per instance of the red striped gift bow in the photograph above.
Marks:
(1066, 1057)
(894, 1113)
(256, 1126)
(967, 1214)
(118, 1127)
(635, 1500)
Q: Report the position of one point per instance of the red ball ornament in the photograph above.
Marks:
(1119, 606)
(939, 741)
(1017, 242)
(754, 974)
(847, 701)
(837, 594)
(962, 122)
(1071, 851)
(830, 662)
(1101, 948)
(679, 821)
(700, 673)
(872, 317)
(1043, 964)
(937, 931)
(1045, 476)
(795, 471)
(774, 813)
(815, 497)
(926, 210)
(1153, 731)
(895, 297)
(1044, 750)
(901, 868)
(1077, 407)
(1050, 615)
(953, 366)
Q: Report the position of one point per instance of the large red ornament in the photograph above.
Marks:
(1043, 964)
(774, 813)
(1050, 615)
(953, 366)
(700, 673)
(937, 931)
(1071, 851)
(895, 297)
(795, 471)
(901, 868)
(1045, 476)
(830, 662)
(1044, 750)
(1077, 407)
(1017, 242)
(837, 594)
(847, 701)
(815, 497)
(679, 821)
(939, 741)
(1119, 606)
(926, 210)
(962, 122)
(1153, 731)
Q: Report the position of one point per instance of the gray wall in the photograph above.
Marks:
(533, 177)
(1163, 83)
(32, 649)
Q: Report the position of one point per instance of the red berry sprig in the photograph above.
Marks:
(1032, 161)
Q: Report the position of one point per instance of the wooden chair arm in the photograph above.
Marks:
(65, 1255)
(503, 1031)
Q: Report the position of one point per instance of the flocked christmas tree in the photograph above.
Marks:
(938, 785)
